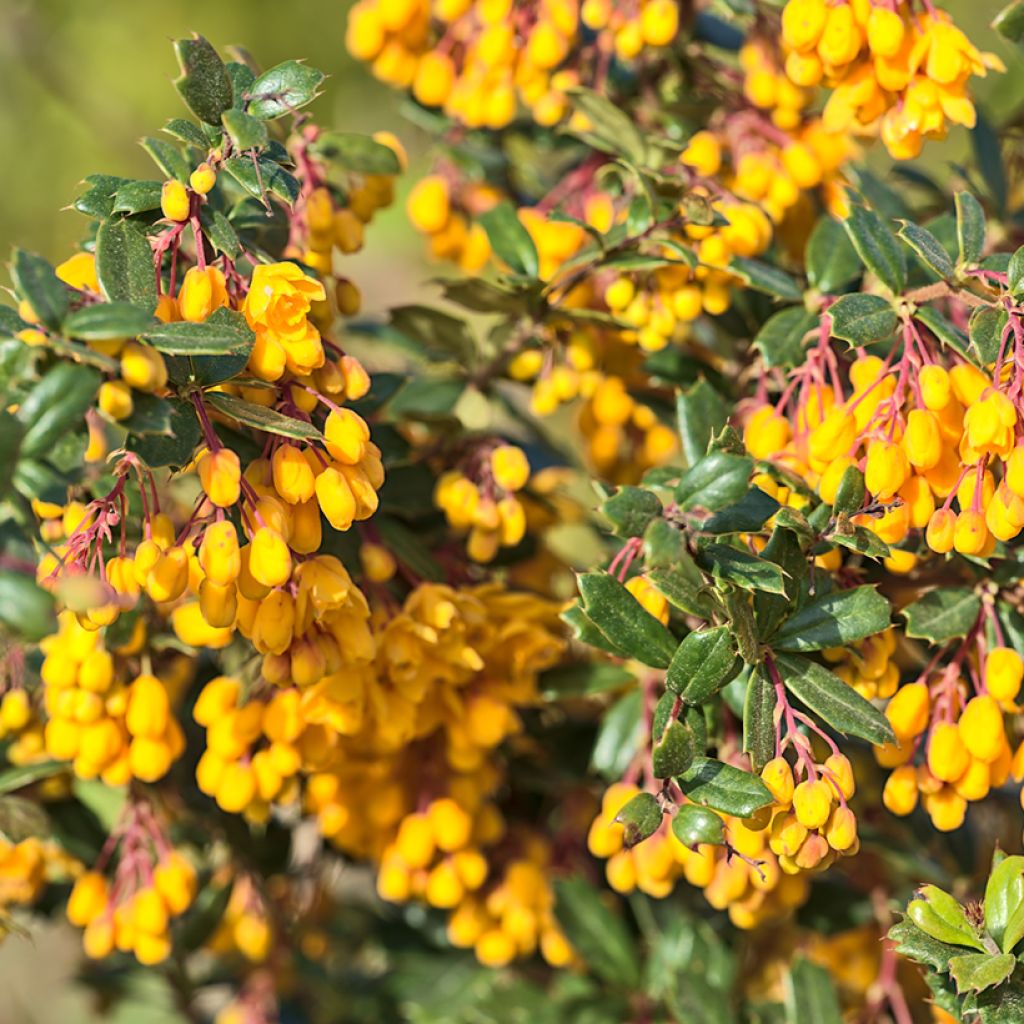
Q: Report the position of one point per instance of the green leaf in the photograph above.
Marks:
(832, 700)
(974, 972)
(862, 319)
(106, 320)
(267, 421)
(11, 434)
(631, 510)
(187, 132)
(510, 241)
(748, 515)
(124, 264)
(781, 339)
(261, 175)
(622, 619)
(219, 230)
(246, 132)
(150, 415)
(1004, 894)
(224, 331)
(703, 663)
(943, 917)
(970, 228)
(831, 260)
(985, 329)
(877, 247)
(167, 157)
(26, 608)
(1014, 929)
(943, 614)
(173, 449)
(850, 492)
(928, 248)
(600, 936)
(583, 679)
(11, 323)
(702, 413)
(438, 334)
(138, 197)
(204, 83)
(763, 277)
(619, 736)
(37, 284)
(410, 549)
(724, 787)
(948, 333)
(283, 90)
(684, 588)
(915, 944)
(674, 751)
(784, 549)
(694, 826)
(18, 776)
(759, 718)
(1009, 22)
(56, 404)
(611, 129)
(357, 152)
(834, 620)
(714, 481)
(1015, 270)
(640, 819)
(810, 995)
(427, 397)
(742, 568)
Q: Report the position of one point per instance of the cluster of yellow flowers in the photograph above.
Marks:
(26, 867)
(868, 666)
(152, 883)
(891, 70)
(922, 445)
(480, 496)
(245, 928)
(480, 61)
(964, 739)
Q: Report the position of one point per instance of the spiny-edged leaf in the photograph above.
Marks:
(944, 330)
(261, 175)
(763, 277)
(747, 515)
(1004, 893)
(204, 83)
(18, 776)
(1009, 22)
(267, 421)
(929, 250)
(624, 621)
(781, 339)
(832, 700)
(684, 588)
(850, 493)
(810, 995)
(610, 128)
(862, 319)
(510, 241)
(597, 933)
(173, 449)
(186, 131)
(734, 565)
(943, 614)
(862, 540)
(619, 736)
(167, 157)
(206, 370)
(106, 320)
(834, 620)
(25, 608)
(631, 510)
(1003, 1004)
(970, 228)
(759, 719)
(831, 260)
(974, 972)
(703, 663)
(724, 787)
(283, 90)
(224, 331)
(37, 284)
(702, 413)
(913, 943)
(150, 415)
(640, 819)
(877, 247)
(784, 549)
(56, 404)
(585, 630)
(985, 329)
(246, 132)
(219, 230)
(124, 264)
(138, 197)
(674, 751)
(357, 152)
(714, 481)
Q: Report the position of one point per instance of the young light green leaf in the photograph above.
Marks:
(974, 972)
(834, 620)
(832, 700)
(1004, 893)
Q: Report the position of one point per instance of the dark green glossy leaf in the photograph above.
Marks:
(260, 175)
(943, 614)
(106, 320)
(357, 152)
(36, 283)
(55, 405)
(763, 277)
(267, 421)
(759, 719)
(781, 339)
(640, 819)
(245, 132)
(25, 608)
(748, 515)
(283, 89)
(877, 247)
(138, 197)
(970, 228)
(599, 934)
(124, 264)
(831, 260)
(631, 510)
(703, 663)
(695, 826)
(622, 619)
(742, 568)
(674, 751)
(167, 157)
(224, 331)
(724, 787)
(862, 319)
(204, 83)
(834, 620)
(810, 995)
(714, 481)
(985, 329)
